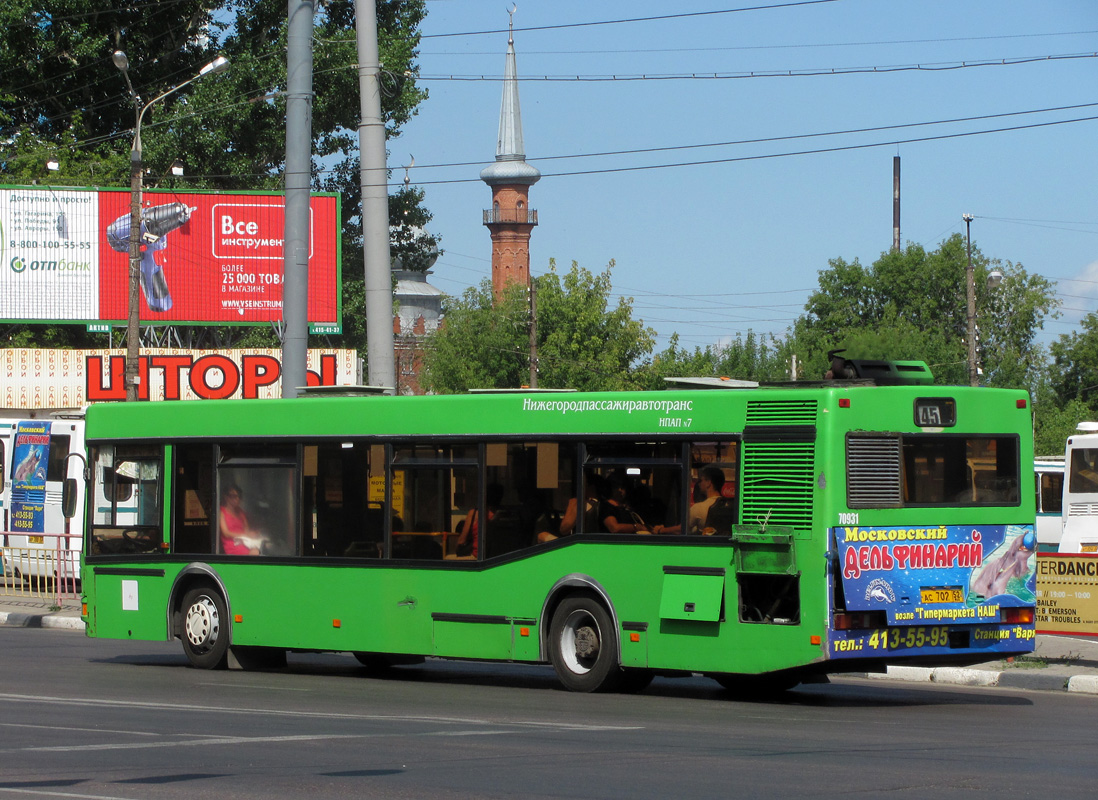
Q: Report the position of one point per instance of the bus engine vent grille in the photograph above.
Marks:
(781, 412)
(778, 483)
(873, 472)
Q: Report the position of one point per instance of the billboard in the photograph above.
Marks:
(206, 259)
(1067, 594)
(55, 379)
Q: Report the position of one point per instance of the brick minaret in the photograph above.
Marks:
(510, 219)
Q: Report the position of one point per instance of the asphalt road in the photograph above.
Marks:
(84, 718)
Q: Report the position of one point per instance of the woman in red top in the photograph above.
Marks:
(237, 536)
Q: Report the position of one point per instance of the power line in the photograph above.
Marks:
(739, 48)
(791, 137)
(816, 151)
(684, 15)
(944, 66)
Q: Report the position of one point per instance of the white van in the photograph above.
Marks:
(35, 457)
(1081, 491)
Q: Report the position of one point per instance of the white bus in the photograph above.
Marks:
(1048, 473)
(36, 538)
(1081, 491)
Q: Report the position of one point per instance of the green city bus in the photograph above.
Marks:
(764, 535)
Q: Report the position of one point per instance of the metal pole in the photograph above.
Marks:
(533, 334)
(970, 294)
(896, 204)
(373, 176)
(299, 155)
(133, 322)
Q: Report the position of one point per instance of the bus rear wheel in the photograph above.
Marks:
(205, 637)
(583, 646)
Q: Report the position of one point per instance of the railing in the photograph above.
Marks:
(50, 571)
(521, 216)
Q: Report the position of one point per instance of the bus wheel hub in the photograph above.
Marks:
(587, 642)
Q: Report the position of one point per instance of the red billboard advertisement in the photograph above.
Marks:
(214, 258)
(205, 258)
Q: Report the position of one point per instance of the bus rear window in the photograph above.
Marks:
(1083, 478)
(893, 470)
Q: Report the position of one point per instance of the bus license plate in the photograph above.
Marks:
(941, 594)
(35, 540)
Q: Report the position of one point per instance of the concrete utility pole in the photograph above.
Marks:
(374, 176)
(299, 162)
(970, 295)
(896, 204)
(533, 334)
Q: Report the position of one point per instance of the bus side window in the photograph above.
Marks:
(59, 452)
(257, 512)
(342, 519)
(136, 526)
(537, 494)
(433, 488)
(1052, 492)
(193, 499)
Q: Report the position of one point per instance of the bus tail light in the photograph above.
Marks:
(1018, 616)
(857, 620)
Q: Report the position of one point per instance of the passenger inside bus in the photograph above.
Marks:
(467, 539)
(710, 481)
(568, 522)
(238, 538)
(615, 513)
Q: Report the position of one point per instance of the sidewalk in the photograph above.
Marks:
(35, 613)
(1059, 663)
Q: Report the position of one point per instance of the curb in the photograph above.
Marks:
(1012, 679)
(18, 620)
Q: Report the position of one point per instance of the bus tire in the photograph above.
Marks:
(205, 633)
(583, 646)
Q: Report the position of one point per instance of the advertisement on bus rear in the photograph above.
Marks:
(205, 259)
(928, 579)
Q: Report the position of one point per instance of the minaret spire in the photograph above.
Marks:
(510, 220)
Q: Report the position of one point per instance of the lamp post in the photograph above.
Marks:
(994, 278)
(970, 295)
(133, 342)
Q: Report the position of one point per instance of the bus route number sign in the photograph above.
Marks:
(935, 412)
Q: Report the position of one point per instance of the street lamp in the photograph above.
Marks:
(970, 294)
(219, 64)
(994, 278)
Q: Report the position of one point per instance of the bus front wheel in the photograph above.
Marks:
(583, 646)
(205, 637)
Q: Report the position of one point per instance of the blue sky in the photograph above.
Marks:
(711, 250)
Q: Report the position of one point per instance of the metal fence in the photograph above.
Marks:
(47, 571)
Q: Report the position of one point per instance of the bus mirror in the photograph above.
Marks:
(68, 498)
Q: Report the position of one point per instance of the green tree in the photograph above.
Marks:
(749, 358)
(1073, 373)
(584, 342)
(911, 304)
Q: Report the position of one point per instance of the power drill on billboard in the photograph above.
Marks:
(156, 223)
